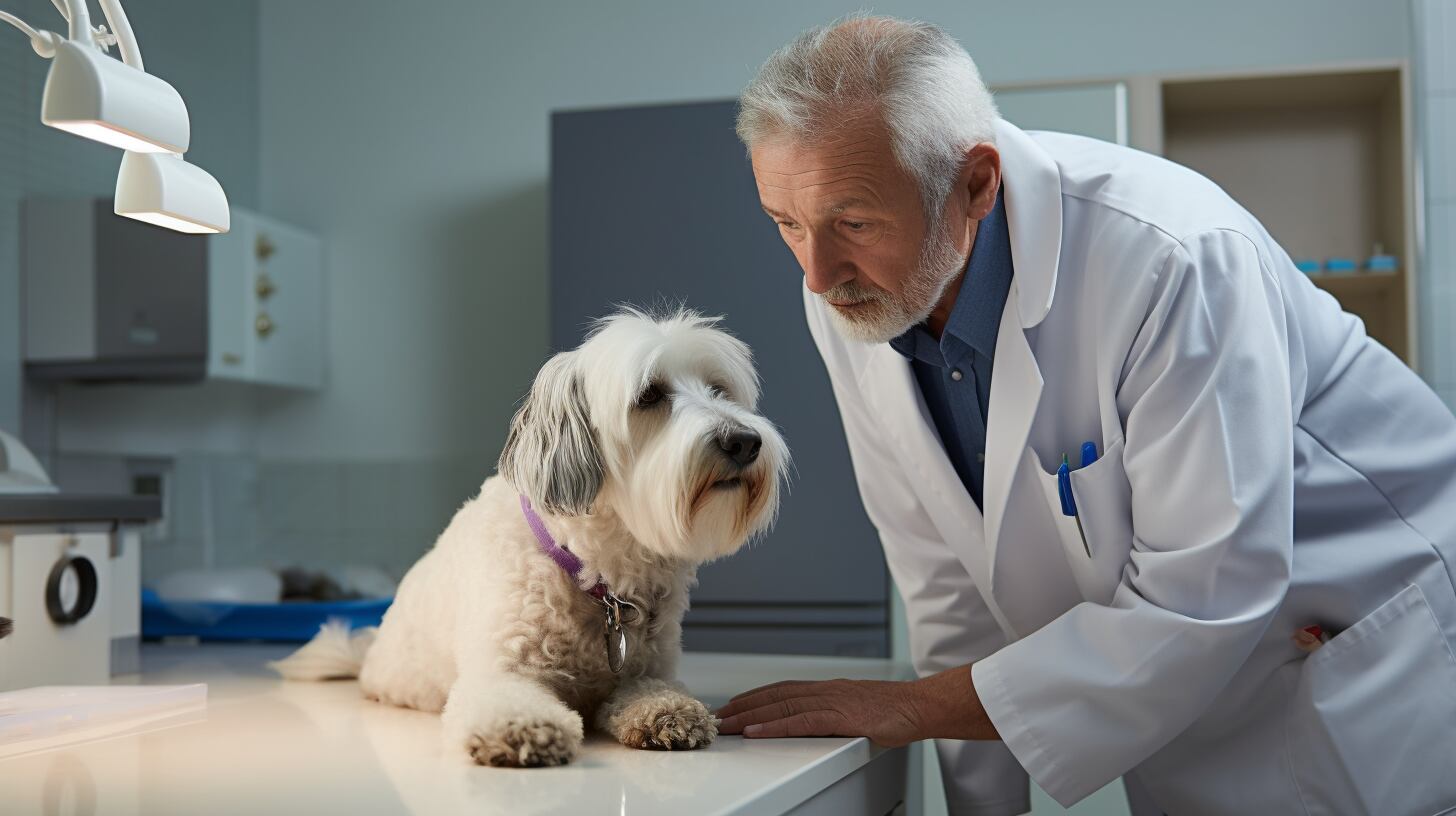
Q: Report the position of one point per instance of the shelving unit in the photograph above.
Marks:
(1321, 158)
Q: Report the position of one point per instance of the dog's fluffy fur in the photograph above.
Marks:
(622, 447)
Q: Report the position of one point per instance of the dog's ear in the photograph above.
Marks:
(552, 455)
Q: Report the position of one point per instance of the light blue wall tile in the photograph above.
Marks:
(309, 550)
(1435, 22)
(300, 497)
(371, 497)
(1440, 143)
(1438, 297)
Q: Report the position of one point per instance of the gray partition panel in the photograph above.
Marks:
(655, 205)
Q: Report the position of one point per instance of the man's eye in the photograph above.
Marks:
(855, 225)
(650, 396)
(788, 225)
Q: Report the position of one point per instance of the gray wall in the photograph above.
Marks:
(416, 144)
(1435, 103)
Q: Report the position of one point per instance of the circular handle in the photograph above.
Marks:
(265, 286)
(264, 325)
(71, 589)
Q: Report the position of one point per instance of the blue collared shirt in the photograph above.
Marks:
(954, 375)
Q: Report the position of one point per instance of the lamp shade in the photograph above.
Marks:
(92, 95)
(163, 189)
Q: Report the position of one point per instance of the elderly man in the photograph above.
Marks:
(1158, 508)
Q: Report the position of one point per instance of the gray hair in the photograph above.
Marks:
(551, 454)
(916, 78)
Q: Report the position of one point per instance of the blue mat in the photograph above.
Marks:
(294, 622)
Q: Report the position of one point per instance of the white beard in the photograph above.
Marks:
(881, 316)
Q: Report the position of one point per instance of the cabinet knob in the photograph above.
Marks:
(264, 247)
(265, 286)
(232, 359)
(264, 324)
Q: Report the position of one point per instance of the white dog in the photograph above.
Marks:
(558, 592)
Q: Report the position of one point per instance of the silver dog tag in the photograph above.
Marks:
(616, 639)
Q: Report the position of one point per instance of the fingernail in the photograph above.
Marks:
(752, 730)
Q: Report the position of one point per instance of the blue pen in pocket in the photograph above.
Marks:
(1064, 490)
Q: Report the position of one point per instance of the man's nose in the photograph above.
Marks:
(824, 267)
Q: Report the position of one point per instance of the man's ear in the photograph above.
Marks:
(980, 179)
(552, 455)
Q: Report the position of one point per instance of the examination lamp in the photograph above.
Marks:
(119, 104)
(163, 189)
(92, 95)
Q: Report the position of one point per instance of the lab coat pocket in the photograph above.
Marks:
(1370, 724)
(1104, 505)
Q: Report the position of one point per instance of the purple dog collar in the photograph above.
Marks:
(563, 557)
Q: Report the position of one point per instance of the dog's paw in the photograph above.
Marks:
(671, 722)
(525, 744)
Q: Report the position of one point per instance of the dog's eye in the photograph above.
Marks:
(650, 396)
(716, 390)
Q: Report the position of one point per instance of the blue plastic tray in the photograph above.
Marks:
(292, 622)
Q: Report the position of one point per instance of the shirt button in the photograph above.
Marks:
(955, 374)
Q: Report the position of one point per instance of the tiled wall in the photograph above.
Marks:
(1435, 101)
(384, 514)
(227, 510)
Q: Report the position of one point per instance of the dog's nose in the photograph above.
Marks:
(740, 446)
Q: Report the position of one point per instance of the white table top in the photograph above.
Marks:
(266, 746)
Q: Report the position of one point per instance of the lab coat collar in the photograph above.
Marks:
(1032, 187)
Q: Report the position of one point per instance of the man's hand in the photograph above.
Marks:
(944, 705)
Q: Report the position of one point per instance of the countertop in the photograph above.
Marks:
(43, 508)
(268, 746)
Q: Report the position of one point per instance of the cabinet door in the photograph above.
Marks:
(1098, 110)
(658, 204)
(266, 304)
(288, 289)
(230, 271)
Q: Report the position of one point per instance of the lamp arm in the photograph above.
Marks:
(43, 42)
(20, 24)
(121, 27)
(61, 7)
(80, 21)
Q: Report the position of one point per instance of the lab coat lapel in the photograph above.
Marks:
(895, 396)
(1032, 190)
(1016, 385)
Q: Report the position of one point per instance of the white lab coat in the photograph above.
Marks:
(1265, 466)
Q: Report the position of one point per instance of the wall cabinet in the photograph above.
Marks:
(266, 304)
(112, 299)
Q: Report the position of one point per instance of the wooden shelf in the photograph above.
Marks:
(1357, 284)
